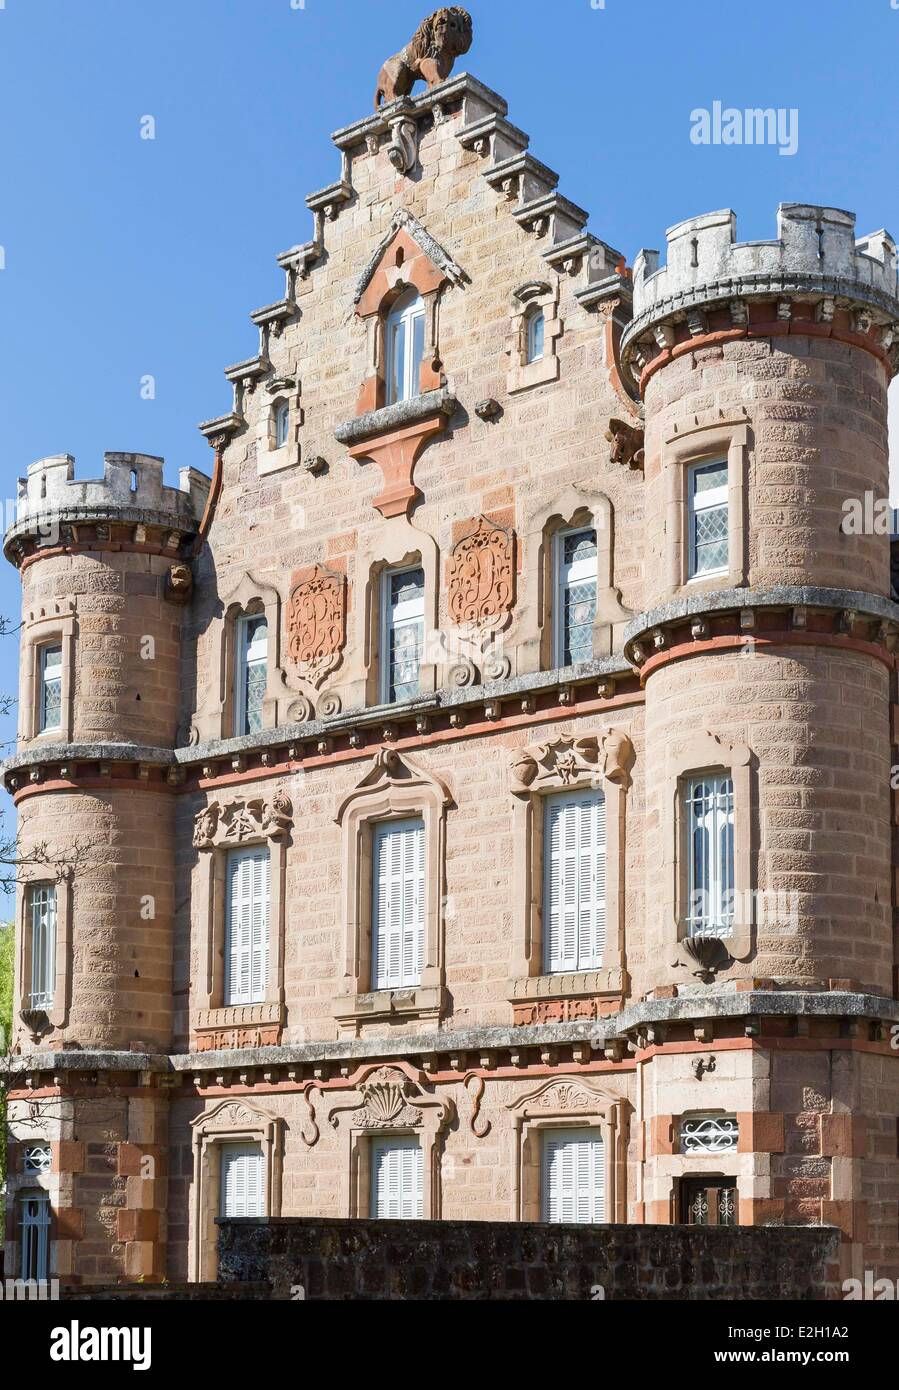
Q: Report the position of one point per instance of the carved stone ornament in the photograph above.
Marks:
(403, 148)
(627, 443)
(316, 622)
(567, 760)
(243, 820)
(482, 576)
(438, 41)
(37, 1023)
(179, 583)
(390, 1098)
(563, 1097)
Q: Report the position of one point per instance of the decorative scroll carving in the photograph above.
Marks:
(389, 1098)
(474, 1085)
(436, 44)
(568, 1096)
(316, 622)
(243, 820)
(567, 760)
(482, 576)
(225, 1039)
(403, 148)
(627, 443)
(234, 1115)
(309, 1133)
(525, 1015)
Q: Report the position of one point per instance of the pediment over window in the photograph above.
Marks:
(565, 1096)
(567, 761)
(388, 773)
(407, 256)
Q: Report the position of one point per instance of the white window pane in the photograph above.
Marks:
(574, 875)
(42, 917)
(398, 893)
(248, 876)
(50, 698)
(397, 1180)
(576, 563)
(536, 336)
(405, 339)
(242, 1181)
(573, 1176)
(709, 824)
(708, 521)
(251, 673)
(403, 599)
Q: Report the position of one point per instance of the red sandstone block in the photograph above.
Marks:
(761, 1131)
(661, 1134)
(137, 1225)
(67, 1156)
(849, 1217)
(762, 1211)
(844, 1135)
(68, 1224)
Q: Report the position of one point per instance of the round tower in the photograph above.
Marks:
(105, 576)
(766, 644)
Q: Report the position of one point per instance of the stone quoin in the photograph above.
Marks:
(481, 783)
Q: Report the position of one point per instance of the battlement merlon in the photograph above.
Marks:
(816, 259)
(131, 490)
(814, 242)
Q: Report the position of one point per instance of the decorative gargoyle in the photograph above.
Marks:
(627, 443)
(438, 41)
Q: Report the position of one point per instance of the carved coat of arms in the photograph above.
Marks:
(316, 621)
(482, 576)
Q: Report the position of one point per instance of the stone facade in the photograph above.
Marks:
(777, 672)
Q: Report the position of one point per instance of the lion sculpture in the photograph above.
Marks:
(438, 42)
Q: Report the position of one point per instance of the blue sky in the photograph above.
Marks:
(127, 257)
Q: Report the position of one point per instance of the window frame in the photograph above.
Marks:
(43, 650)
(560, 629)
(242, 662)
(402, 322)
(43, 1225)
(281, 424)
(237, 1150)
(536, 318)
(387, 626)
(396, 1143)
(584, 959)
(717, 870)
(408, 975)
(592, 1134)
(44, 962)
(699, 446)
(231, 996)
(721, 501)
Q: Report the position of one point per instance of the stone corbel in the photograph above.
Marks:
(627, 444)
(402, 150)
(393, 438)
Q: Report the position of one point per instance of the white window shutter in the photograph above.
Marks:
(242, 1180)
(398, 901)
(247, 926)
(397, 1180)
(574, 1176)
(574, 855)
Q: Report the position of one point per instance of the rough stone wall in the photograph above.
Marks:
(461, 1260)
(817, 411)
(119, 964)
(125, 686)
(815, 721)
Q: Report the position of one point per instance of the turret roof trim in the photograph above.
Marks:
(131, 490)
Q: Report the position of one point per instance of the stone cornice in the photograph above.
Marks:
(458, 708)
(786, 597)
(619, 1029)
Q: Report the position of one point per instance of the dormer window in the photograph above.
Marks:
(536, 336)
(405, 338)
(251, 673)
(282, 424)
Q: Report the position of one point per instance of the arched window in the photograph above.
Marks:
(34, 1236)
(282, 424)
(405, 347)
(536, 335)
